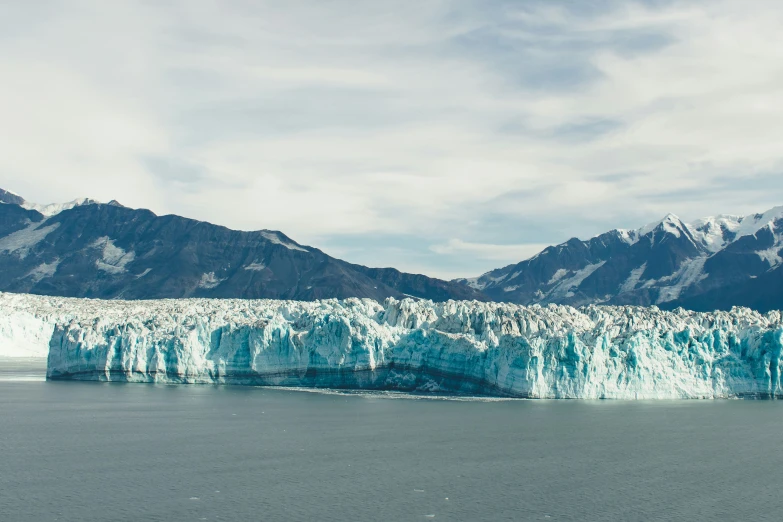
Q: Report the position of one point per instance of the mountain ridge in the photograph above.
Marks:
(90, 249)
(668, 263)
(85, 248)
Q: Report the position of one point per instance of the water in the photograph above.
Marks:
(91, 451)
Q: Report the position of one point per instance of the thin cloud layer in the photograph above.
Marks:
(444, 137)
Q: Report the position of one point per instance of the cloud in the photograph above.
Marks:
(436, 122)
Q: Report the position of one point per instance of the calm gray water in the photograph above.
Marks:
(91, 451)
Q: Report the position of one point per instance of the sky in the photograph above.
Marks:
(439, 137)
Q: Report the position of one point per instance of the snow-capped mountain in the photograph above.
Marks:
(712, 263)
(89, 249)
(6, 196)
(468, 347)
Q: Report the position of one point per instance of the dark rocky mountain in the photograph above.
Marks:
(88, 249)
(10, 197)
(713, 263)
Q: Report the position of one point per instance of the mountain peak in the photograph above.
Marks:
(11, 198)
(670, 223)
(134, 254)
(666, 262)
(53, 209)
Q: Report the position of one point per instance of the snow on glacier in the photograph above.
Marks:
(458, 346)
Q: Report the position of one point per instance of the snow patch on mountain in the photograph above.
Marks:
(689, 273)
(255, 266)
(43, 271)
(628, 236)
(273, 237)
(566, 287)
(473, 282)
(557, 276)
(21, 241)
(715, 232)
(53, 209)
(113, 258)
(209, 281)
(771, 255)
(480, 283)
(670, 224)
(749, 225)
(633, 279)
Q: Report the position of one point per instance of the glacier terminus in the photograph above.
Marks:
(464, 347)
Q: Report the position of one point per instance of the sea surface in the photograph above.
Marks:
(94, 452)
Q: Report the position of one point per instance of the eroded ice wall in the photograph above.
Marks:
(468, 347)
(23, 333)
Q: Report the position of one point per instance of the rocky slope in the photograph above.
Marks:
(465, 347)
(87, 249)
(712, 263)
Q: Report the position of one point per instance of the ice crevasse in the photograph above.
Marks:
(466, 347)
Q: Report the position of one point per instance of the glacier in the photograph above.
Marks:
(464, 347)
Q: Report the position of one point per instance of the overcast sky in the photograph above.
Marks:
(440, 137)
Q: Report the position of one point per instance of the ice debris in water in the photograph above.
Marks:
(496, 349)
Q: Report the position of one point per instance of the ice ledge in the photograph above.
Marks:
(454, 347)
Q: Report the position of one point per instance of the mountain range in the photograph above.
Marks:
(85, 248)
(89, 249)
(712, 263)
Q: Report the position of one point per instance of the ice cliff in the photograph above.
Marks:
(457, 346)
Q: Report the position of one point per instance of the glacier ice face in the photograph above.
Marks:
(457, 346)
(24, 334)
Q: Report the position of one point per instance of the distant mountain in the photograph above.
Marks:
(89, 249)
(712, 263)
